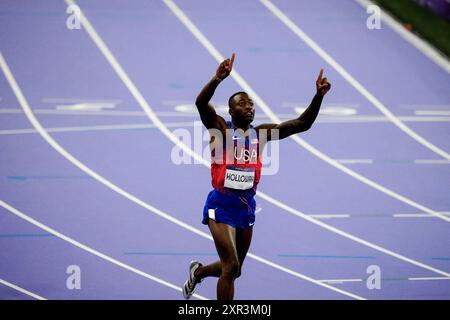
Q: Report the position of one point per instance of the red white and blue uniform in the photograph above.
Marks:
(235, 180)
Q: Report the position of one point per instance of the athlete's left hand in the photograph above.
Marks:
(322, 84)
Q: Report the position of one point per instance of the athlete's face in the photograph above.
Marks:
(242, 108)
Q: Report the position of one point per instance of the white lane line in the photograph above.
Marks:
(89, 249)
(340, 281)
(379, 119)
(429, 278)
(97, 128)
(407, 161)
(418, 215)
(17, 131)
(90, 112)
(329, 216)
(350, 79)
(23, 102)
(396, 215)
(432, 112)
(244, 85)
(75, 112)
(86, 106)
(420, 44)
(17, 288)
(78, 100)
(146, 107)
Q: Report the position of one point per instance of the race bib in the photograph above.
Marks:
(239, 179)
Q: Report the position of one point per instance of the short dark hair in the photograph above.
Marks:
(235, 94)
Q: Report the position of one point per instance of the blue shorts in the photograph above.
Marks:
(229, 209)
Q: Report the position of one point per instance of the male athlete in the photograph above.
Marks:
(236, 148)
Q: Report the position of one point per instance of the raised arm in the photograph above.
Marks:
(208, 114)
(306, 119)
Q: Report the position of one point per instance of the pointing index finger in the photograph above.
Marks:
(232, 58)
(320, 74)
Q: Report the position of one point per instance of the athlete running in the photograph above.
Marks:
(236, 148)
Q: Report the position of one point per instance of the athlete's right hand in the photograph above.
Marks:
(225, 68)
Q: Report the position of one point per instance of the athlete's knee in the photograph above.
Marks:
(231, 269)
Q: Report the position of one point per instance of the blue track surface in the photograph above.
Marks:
(56, 68)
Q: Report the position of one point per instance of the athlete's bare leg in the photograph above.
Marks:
(232, 246)
(243, 240)
(210, 270)
(225, 240)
